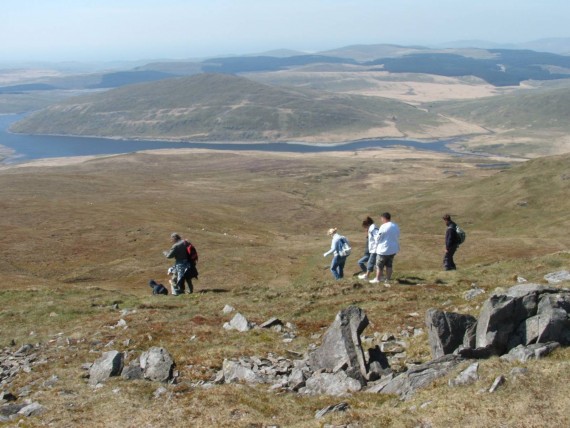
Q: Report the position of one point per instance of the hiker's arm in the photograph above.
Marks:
(170, 253)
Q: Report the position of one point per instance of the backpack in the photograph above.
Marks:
(460, 235)
(157, 288)
(192, 253)
(343, 247)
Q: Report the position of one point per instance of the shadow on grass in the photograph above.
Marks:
(410, 280)
(212, 290)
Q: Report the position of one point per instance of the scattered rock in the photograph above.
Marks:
(340, 407)
(407, 383)
(521, 280)
(296, 380)
(531, 352)
(11, 409)
(24, 349)
(109, 364)
(239, 323)
(157, 364)
(7, 396)
(341, 344)
(518, 371)
(467, 376)
(133, 371)
(336, 384)
(473, 293)
(33, 409)
(159, 392)
(499, 380)
(228, 309)
(557, 277)
(271, 323)
(446, 331)
(393, 347)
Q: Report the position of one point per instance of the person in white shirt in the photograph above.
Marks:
(368, 261)
(387, 246)
(337, 264)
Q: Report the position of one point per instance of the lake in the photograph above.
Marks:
(30, 147)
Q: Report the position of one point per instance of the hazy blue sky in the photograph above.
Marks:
(140, 29)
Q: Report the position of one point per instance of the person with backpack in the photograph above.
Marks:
(184, 265)
(387, 245)
(368, 261)
(340, 249)
(453, 239)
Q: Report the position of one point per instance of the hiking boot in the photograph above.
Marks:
(374, 281)
(363, 276)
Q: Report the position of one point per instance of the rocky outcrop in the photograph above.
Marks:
(524, 315)
(446, 331)
(341, 345)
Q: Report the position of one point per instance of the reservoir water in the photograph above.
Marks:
(29, 147)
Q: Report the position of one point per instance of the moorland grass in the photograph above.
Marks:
(81, 242)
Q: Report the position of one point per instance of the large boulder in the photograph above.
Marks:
(341, 345)
(499, 324)
(157, 364)
(556, 277)
(109, 364)
(531, 352)
(446, 331)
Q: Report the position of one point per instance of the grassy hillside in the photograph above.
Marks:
(224, 107)
(95, 232)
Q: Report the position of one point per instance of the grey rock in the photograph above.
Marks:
(340, 407)
(393, 347)
(11, 409)
(239, 323)
(157, 364)
(467, 376)
(332, 384)
(237, 372)
(7, 396)
(109, 364)
(470, 337)
(499, 380)
(473, 293)
(341, 343)
(159, 392)
(378, 364)
(296, 380)
(24, 349)
(133, 371)
(502, 314)
(531, 352)
(271, 322)
(557, 277)
(407, 383)
(33, 409)
(446, 331)
(219, 378)
(376, 387)
(228, 309)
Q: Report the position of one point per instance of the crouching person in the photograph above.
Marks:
(182, 267)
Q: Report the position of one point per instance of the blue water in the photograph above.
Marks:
(29, 147)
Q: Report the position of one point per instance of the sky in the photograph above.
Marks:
(113, 30)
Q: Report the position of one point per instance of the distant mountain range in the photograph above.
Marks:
(560, 45)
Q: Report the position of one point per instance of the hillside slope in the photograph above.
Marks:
(230, 108)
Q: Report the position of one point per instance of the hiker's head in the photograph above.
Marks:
(331, 231)
(385, 217)
(175, 237)
(446, 218)
(367, 222)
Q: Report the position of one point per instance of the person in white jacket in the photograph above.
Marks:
(387, 246)
(338, 261)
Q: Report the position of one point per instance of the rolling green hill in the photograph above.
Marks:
(539, 109)
(228, 108)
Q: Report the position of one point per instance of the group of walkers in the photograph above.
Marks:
(382, 245)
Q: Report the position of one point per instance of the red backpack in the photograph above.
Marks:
(192, 253)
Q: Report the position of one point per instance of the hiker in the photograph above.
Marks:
(387, 245)
(338, 261)
(182, 266)
(452, 241)
(368, 261)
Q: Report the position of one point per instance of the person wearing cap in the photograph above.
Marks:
(181, 266)
(451, 243)
(337, 264)
(387, 246)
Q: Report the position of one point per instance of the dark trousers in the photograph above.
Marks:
(448, 262)
(186, 276)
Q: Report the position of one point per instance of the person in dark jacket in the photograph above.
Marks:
(451, 243)
(182, 266)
